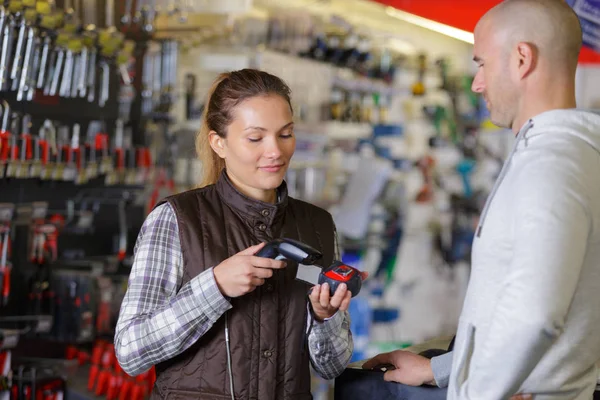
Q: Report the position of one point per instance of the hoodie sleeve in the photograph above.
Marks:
(550, 239)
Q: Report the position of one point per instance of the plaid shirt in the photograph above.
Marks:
(160, 318)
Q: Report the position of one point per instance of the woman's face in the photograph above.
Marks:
(258, 146)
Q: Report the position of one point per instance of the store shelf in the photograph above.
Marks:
(337, 130)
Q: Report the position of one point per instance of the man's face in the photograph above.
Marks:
(494, 79)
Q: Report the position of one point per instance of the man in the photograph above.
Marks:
(530, 321)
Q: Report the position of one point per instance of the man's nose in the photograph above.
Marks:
(478, 84)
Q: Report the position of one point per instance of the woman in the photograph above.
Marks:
(217, 321)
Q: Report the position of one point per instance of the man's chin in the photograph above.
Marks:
(499, 123)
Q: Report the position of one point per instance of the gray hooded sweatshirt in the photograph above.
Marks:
(531, 317)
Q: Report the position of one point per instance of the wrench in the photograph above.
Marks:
(41, 75)
(65, 82)
(105, 88)
(7, 47)
(150, 16)
(59, 53)
(138, 16)
(16, 65)
(22, 87)
(126, 18)
(91, 75)
(3, 19)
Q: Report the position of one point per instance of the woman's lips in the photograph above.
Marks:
(272, 168)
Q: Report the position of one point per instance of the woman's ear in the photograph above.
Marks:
(217, 143)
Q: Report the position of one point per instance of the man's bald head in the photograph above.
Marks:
(551, 26)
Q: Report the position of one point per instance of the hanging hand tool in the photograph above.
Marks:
(73, 50)
(131, 174)
(90, 41)
(79, 156)
(102, 148)
(13, 161)
(90, 150)
(117, 174)
(4, 138)
(70, 172)
(3, 19)
(78, 87)
(48, 23)
(59, 54)
(32, 43)
(6, 216)
(16, 8)
(62, 155)
(5, 267)
(418, 88)
(26, 150)
(35, 168)
(122, 230)
(126, 18)
(147, 80)
(138, 16)
(150, 17)
(48, 150)
(7, 32)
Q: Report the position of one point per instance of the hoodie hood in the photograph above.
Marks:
(583, 124)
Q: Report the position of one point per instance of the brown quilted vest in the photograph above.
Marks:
(269, 352)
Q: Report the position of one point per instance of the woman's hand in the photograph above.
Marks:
(324, 305)
(243, 272)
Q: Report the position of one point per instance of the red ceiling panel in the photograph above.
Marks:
(463, 14)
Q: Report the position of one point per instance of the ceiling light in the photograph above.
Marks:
(431, 25)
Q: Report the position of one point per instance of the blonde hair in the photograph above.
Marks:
(229, 90)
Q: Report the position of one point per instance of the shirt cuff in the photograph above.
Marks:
(204, 286)
(331, 325)
(441, 366)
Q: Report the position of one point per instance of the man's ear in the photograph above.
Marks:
(217, 143)
(526, 56)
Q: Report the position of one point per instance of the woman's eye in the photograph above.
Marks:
(254, 140)
(287, 135)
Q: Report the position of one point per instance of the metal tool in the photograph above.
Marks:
(41, 73)
(126, 18)
(105, 84)
(29, 49)
(91, 75)
(13, 161)
(47, 136)
(59, 54)
(26, 151)
(4, 138)
(18, 56)
(6, 55)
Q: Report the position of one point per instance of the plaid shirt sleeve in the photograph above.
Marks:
(330, 342)
(160, 317)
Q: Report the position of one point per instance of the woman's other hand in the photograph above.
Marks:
(324, 305)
